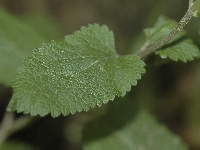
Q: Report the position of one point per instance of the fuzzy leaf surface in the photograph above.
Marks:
(75, 74)
(122, 127)
(179, 48)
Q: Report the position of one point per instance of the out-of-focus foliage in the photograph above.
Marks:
(16, 145)
(17, 40)
(138, 130)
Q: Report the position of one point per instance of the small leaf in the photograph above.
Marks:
(75, 74)
(184, 51)
(196, 8)
(16, 42)
(179, 48)
(162, 27)
(125, 128)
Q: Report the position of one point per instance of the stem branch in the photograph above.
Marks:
(186, 18)
(9, 125)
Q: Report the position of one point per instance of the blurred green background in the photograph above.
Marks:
(170, 91)
(126, 18)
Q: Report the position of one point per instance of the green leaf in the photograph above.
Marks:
(162, 27)
(75, 74)
(179, 48)
(16, 41)
(122, 127)
(184, 51)
(196, 8)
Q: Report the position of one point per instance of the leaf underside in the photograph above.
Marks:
(75, 74)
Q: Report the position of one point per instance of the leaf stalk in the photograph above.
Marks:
(186, 18)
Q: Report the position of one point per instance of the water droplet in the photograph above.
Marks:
(99, 103)
(163, 56)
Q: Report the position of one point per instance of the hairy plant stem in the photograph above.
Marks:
(10, 125)
(146, 50)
